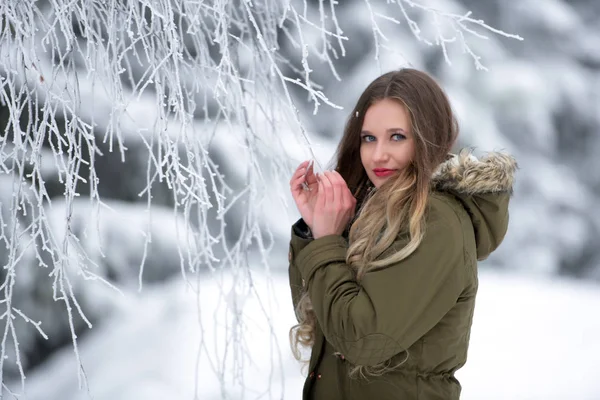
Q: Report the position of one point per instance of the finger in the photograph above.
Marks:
(341, 181)
(328, 188)
(310, 174)
(342, 190)
(336, 185)
(296, 185)
(300, 170)
(320, 203)
(350, 201)
(341, 178)
(303, 164)
(301, 167)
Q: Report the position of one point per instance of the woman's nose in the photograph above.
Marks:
(380, 153)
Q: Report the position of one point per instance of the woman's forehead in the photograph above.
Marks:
(386, 115)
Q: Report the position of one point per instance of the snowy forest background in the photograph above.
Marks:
(180, 300)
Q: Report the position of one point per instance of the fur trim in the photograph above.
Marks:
(464, 173)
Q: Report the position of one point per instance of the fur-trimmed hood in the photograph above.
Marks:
(484, 187)
(464, 173)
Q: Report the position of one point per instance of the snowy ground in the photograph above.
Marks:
(532, 339)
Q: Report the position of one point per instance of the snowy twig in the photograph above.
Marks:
(457, 22)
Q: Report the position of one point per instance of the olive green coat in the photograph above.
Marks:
(419, 309)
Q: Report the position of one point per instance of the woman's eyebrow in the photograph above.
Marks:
(387, 130)
(396, 130)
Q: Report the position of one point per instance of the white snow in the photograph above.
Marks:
(532, 338)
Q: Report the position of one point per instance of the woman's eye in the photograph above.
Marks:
(398, 137)
(368, 138)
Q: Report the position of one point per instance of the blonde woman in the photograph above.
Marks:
(383, 262)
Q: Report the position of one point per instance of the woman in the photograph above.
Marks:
(383, 263)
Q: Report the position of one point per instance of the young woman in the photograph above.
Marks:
(383, 262)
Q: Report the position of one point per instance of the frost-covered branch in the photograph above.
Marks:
(444, 23)
(78, 79)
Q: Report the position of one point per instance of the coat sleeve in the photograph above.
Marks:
(298, 242)
(392, 307)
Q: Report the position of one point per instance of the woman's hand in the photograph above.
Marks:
(334, 207)
(304, 189)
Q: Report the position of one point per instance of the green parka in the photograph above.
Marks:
(419, 309)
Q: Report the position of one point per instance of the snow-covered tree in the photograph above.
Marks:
(145, 138)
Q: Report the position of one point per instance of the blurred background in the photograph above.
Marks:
(537, 322)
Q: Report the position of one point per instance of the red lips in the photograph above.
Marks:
(382, 172)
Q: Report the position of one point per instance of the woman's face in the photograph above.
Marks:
(387, 144)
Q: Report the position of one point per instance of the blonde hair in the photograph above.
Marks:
(399, 206)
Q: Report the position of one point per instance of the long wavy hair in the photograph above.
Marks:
(398, 206)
